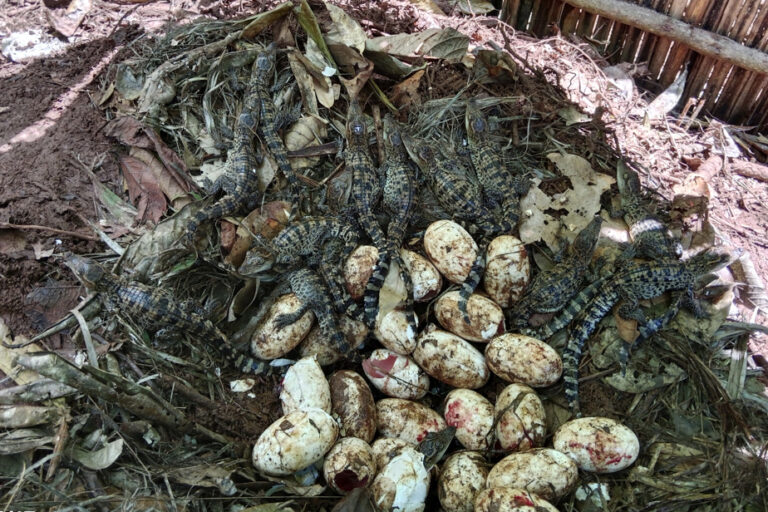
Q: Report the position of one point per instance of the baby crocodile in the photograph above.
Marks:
(551, 289)
(155, 309)
(634, 282)
(434, 445)
(399, 199)
(650, 237)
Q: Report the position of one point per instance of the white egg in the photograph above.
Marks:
(401, 485)
(519, 358)
(410, 421)
(305, 387)
(451, 249)
(485, 316)
(507, 499)
(546, 472)
(392, 331)
(349, 465)
(268, 342)
(462, 478)
(386, 448)
(451, 359)
(507, 270)
(358, 269)
(426, 279)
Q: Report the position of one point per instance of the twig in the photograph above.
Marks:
(36, 227)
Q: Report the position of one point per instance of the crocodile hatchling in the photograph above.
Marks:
(550, 290)
(399, 198)
(650, 237)
(633, 282)
(155, 309)
(434, 445)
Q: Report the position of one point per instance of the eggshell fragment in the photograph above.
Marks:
(462, 478)
(318, 345)
(402, 484)
(521, 422)
(385, 448)
(601, 445)
(392, 331)
(451, 249)
(546, 472)
(305, 387)
(426, 279)
(407, 420)
(450, 359)
(269, 342)
(352, 402)
(349, 465)
(358, 269)
(519, 358)
(507, 270)
(472, 415)
(506, 499)
(396, 375)
(485, 316)
(294, 441)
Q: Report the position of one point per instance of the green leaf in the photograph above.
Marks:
(308, 22)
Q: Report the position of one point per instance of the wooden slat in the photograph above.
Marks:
(509, 12)
(664, 45)
(526, 6)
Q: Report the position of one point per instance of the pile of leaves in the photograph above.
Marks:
(122, 419)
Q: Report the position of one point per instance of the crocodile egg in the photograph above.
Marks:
(407, 420)
(485, 316)
(507, 270)
(395, 375)
(506, 499)
(601, 445)
(472, 415)
(318, 345)
(546, 472)
(392, 331)
(451, 249)
(519, 358)
(358, 269)
(305, 386)
(349, 465)
(426, 280)
(462, 478)
(450, 359)
(294, 441)
(385, 449)
(402, 484)
(352, 403)
(521, 422)
(268, 342)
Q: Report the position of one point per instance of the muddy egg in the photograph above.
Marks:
(318, 345)
(349, 465)
(472, 415)
(462, 478)
(507, 270)
(426, 280)
(352, 402)
(407, 420)
(305, 387)
(396, 375)
(521, 422)
(546, 472)
(392, 331)
(268, 342)
(520, 358)
(385, 449)
(601, 445)
(485, 316)
(451, 249)
(294, 441)
(358, 269)
(506, 499)
(451, 359)
(402, 484)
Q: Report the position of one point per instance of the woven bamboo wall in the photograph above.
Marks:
(727, 92)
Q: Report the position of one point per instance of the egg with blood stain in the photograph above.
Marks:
(546, 472)
(396, 375)
(349, 464)
(407, 420)
(596, 444)
(521, 422)
(505, 499)
(472, 415)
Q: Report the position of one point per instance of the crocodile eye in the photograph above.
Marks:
(358, 129)
(395, 139)
(92, 274)
(479, 125)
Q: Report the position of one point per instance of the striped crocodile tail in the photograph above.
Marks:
(247, 364)
(372, 289)
(410, 315)
(470, 283)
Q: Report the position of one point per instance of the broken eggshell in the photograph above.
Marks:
(385, 449)
(462, 478)
(305, 387)
(472, 415)
(519, 358)
(396, 375)
(406, 420)
(358, 269)
(507, 499)
(268, 342)
(596, 444)
(318, 345)
(427, 281)
(294, 441)
(546, 472)
(451, 249)
(451, 359)
(352, 402)
(485, 316)
(521, 422)
(402, 484)
(349, 465)
(507, 270)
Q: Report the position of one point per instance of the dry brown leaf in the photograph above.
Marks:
(143, 190)
(308, 130)
(266, 221)
(163, 178)
(407, 92)
(66, 23)
(627, 328)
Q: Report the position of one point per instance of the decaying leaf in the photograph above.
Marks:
(143, 189)
(474, 6)
(304, 81)
(572, 115)
(99, 459)
(127, 83)
(499, 65)
(393, 291)
(345, 29)
(406, 92)
(388, 65)
(23, 416)
(427, 6)
(307, 131)
(447, 43)
(165, 180)
(265, 19)
(309, 23)
(201, 475)
(23, 440)
(266, 221)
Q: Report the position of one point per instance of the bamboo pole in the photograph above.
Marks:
(703, 41)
